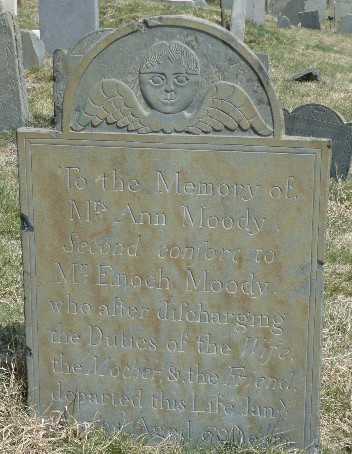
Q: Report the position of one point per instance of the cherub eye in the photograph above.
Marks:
(181, 80)
(156, 80)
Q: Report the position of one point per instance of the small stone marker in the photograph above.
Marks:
(345, 25)
(13, 94)
(310, 19)
(163, 294)
(8, 5)
(63, 23)
(284, 22)
(292, 10)
(317, 120)
(33, 49)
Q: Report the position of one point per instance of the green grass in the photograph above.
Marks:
(289, 51)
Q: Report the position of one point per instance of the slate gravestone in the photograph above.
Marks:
(278, 6)
(284, 22)
(65, 22)
(13, 95)
(317, 120)
(310, 19)
(163, 293)
(292, 10)
(345, 24)
(33, 49)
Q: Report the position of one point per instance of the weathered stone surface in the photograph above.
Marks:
(307, 75)
(279, 5)
(33, 49)
(317, 120)
(238, 18)
(284, 22)
(13, 95)
(292, 10)
(162, 289)
(345, 24)
(342, 9)
(8, 5)
(316, 5)
(62, 71)
(255, 11)
(310, 19)
(64, 23)
(264, 59)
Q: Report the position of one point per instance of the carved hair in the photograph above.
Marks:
(174, 51)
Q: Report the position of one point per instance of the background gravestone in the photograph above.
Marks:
(160, 279)
(284, 22)
(238, 18)
(63, 23)
(316, 120)
(316, 5)
(33, 49)
(8, 5)
(13, 94)
(292, 10)
(255, 11)
(342, 9)
(310, 19)
(278, 6)
(345, 24)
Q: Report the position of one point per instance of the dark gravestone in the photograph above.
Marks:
(307, 75)
(284, 22)
(316, 120)
(163, 294)
(310, 19)
(62, 23)
(13, 95)
(278, 6)
(292, 10)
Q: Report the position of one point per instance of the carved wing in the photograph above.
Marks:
(226, 105)
(112, 101)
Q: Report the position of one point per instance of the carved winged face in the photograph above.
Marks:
(168, 87)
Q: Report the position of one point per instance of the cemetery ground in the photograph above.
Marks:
(289, 51)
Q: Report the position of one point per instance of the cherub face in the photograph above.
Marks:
(169, 87)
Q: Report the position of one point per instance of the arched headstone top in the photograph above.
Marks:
(171, 74)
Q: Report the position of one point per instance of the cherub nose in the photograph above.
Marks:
(168, 87)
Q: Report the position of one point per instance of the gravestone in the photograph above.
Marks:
(8, 5)
(65, 22)
(278, 6)
(238, 18)
(292, 10)
(316, 5)
(317, 120)
(342, 9)
(345, 25)
(163, 294)
(255, 11)
(13, 94)
(284, 22)
(310, 19)
(33, 49)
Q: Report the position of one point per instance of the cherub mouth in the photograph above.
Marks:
(168, 100)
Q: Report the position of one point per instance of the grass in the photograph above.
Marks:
(289, 51)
